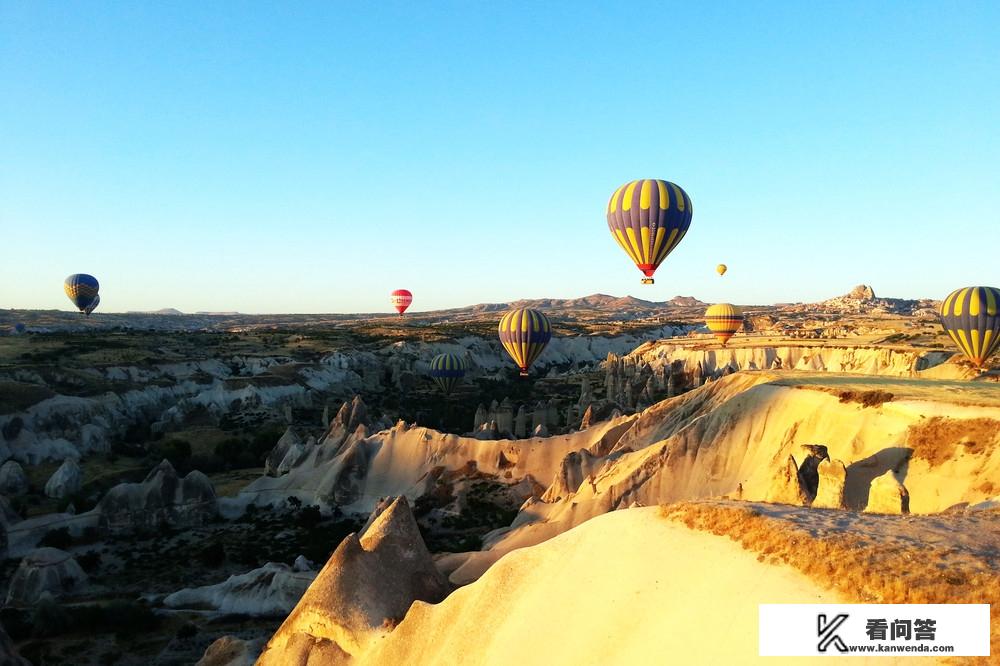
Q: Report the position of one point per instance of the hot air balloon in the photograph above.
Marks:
(524, 334)
(447, 371)
(721, 269)
(93, 305)
(724, 319)
(648, 218)
(82, 290)
(401, 299)
(971, 316)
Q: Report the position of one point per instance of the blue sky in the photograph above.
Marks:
(298, 157)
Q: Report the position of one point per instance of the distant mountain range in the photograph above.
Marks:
(860, 300)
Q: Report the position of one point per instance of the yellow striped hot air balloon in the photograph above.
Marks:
(724, 320)
(524, 333)
(721, 269)
(648, 218)
(971, 317)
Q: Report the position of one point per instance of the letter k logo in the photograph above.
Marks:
(827, 632)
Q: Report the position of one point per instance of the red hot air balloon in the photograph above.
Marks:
(401, 299)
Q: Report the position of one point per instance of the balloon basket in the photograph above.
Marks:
(647, 280)
(524, 373)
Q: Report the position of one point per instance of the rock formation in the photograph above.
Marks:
(813, 454)
(832, 478)
(888, 495)
(268, 591)
(295, 454)
(162, 498)
(363, 591)
(862, 292)
(786, 487)
(13, 480)
(230, 651)
(480, 417)
(65, 481)
(280, 450)
(521, 423)
(586, 393)
(505, 417)
(44, 572)
(576, 467)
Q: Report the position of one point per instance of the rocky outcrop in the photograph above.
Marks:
(296, 453)
(280, 450)
(832, 478)
(862, 292)
(787, 486)
(162, 498)
(363, 591)
(888, 495)
(813, 455)
(686, 361)
(44, 572)
(13, 480)
(65, 481)
(501, 420)
(576, 467)
(268, 591)
(350, 472)
(230, 651)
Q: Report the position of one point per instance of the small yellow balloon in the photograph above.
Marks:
(721, 269)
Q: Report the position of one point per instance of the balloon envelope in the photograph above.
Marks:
(447, 370)
(81, 289)
(524, 333)
(724, 320)
(648, 218)
(93, 305)
(401, 299)
(721, 269)
(971, 317)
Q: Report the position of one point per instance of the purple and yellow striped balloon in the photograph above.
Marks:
(648, 218)
(447, 371)
(971, 317)
(524, 333)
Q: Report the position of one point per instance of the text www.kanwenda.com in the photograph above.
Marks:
(900, 648)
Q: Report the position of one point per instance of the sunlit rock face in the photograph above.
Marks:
(364, 590)
(230, 651)
(162, 498)
(787, 486)
(888, 495)
(692, 364)
(832, 477)
(45, 572)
